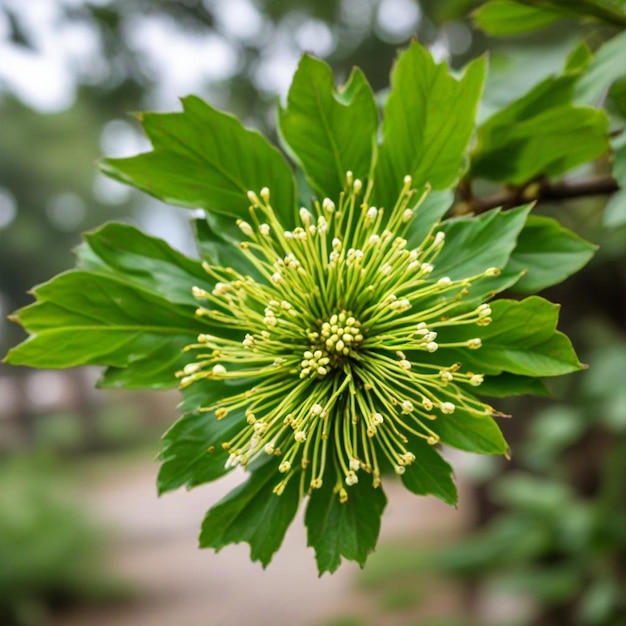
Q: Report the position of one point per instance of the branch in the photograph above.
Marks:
(537, 191)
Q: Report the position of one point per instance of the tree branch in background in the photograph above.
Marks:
(539, 191)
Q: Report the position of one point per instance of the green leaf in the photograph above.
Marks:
(428, 121)
(329, 131)
(124, 252)
(508, 17)
(216, 239)
(84, 318)
(608, 66)
(578, 59)
(506, 385)
(619, 159)
(192, 452)
(522, 339)
(548, 253)
(550, 92)
(533, 135)
(474, 244)
(429, 473)
(254, 514)
(465, 431)
(343, 529)
(615, 211)
(546, 144)
(204, 158)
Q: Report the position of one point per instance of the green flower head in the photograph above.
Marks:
(325, 348)
(332, 341)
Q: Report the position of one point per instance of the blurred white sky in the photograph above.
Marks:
(183, 61)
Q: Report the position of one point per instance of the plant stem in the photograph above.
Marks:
(538, 191)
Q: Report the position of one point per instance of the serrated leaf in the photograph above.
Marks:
(548, 253)
(217, 243)
(99, 320)
(428, 121)
(155, 368)
(522, 339)
(254, 514)
(329, 131)
(128, 307)
(508, 17)
(124, 252)
(343, 529)
(474, 244)
(204, 158)
(465, 431)
(429, 474)
(549, 143)
(192, 452)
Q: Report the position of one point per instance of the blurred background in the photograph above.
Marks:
(84, 540)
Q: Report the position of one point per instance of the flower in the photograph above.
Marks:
(333, 338)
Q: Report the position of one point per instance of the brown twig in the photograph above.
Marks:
(537, 191)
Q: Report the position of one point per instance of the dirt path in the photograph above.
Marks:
(180, 585)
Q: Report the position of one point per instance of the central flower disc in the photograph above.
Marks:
(336, 340)
(332, 345)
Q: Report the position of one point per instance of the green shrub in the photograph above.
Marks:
(50, 552)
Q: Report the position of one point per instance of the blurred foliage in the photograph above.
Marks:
(51, 553)
(560, 537)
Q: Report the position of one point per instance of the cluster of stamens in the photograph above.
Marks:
(336, 338)
(334, 341)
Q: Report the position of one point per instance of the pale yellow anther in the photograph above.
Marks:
(474, 343)
(351, 479)
(476, 380)
(246, 229)
(406, 406)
